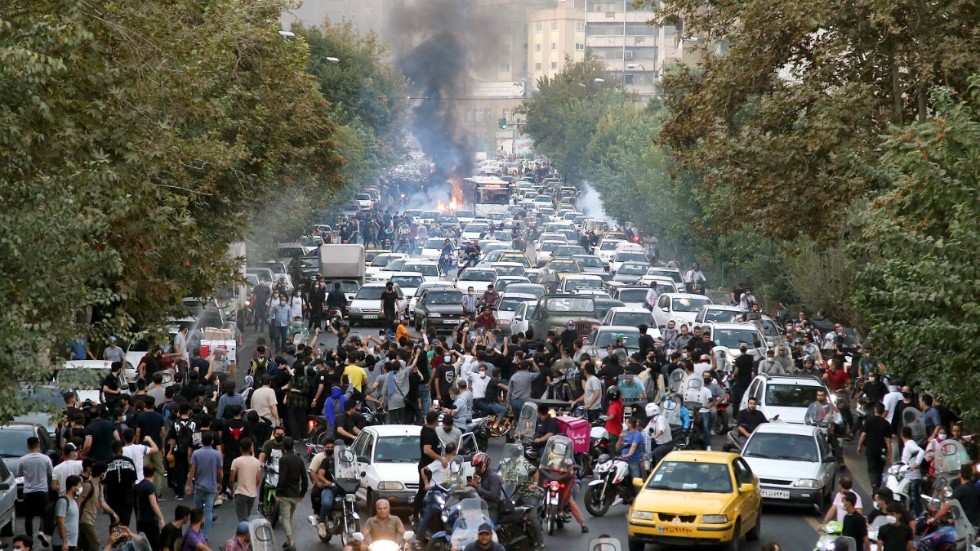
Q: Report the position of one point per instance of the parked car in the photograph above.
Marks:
(13, 447)
(626, 315)
(8, 501)
(697, 498)
(507, 307)
(634, 297)
(602, 337)
(794, 463)
(366, 306)
(527, 288)
(522, 317)
(414, 299)
(428, 268)
(478, 278)
(680, 307)
(407, 281)
(717, 313)
(440, 308)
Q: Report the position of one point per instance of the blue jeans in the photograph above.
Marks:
(915, 499)
(482, 406)
(706, 425)
(635, 470)
(326, 503)
(425, 398)
(205, 499)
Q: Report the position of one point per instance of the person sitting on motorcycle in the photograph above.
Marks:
(484, 540)
(472, 253)
(564, 471)
(486, 319)
(614, 415)
(631, 448)
(487, 484)
(658, 440)
(434, 474)
(489, 298)
(631, 390)
(545, 428)
(383, 526)
(337, 299)
(324, 490)
(517, 469)
(748, 420)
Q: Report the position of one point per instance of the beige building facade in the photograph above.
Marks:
(555, 37)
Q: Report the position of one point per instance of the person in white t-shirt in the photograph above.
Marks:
(837, 510)
(137, 452)
(657, 436)
(704, 364)
(434, 474)
(708, 400)
(72, 465)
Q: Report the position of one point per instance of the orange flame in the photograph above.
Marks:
(453, 205)
(441, 207)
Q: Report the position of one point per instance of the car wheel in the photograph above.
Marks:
(636, 545)
(756, 532)
(820, 502)
(736, 542)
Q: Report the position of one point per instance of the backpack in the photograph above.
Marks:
(299, 384)
(185, 433)
(258, 366)
(50, 522)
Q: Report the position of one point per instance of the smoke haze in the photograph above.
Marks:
(590, 204)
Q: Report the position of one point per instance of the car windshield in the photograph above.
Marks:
(397, 449)
(609, 245)
(731, 338)
(785, 447)
(527, 288)
(588, 261)
(381, 261)
(568, 250)
(434, 243)
(512, 257)
(448, 220)
(572, 284)
(719, 316)
(509, 270)
(688, 304)
(370, 293)
(632, 269)
(369, 256)
(363, 197)
(684, 476)
(569, 304)
(627, 257)
(345, 286)
(478, 275)
(791, 395)
(606, 338)
(602, 307)
(510, 304)
(429, 270)
(396, 265)
(550, 246)
(407, 281)
(429, 215)
(444, 297)
(633, 295)
(464, 214)
(81, 378)
(13, 442)
(631, 318)
(564, 267)
(476, 227)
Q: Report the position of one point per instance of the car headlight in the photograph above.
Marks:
(390, 486)
(355, 310)
(641, 515)
(833, 398)
(434, 315)
(504, 322)
(805, 483)
(714, 519)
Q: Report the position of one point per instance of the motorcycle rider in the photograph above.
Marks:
(337, 299)
(748, 420)
(489, 298)
(545, 428)
(324, 492)
(487, 484)
(564, 472)
(484, 540)
(446, 260)
(515, 468)
(658, 439)
(822, 413)
(383, 526)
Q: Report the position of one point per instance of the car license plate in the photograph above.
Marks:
(673, 529)
(370, 317)
(775, 494)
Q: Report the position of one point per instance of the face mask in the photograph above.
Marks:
(483, 374)
(447, 359)
(941, 437)
(906, 395)
(282, 303)
(279, 438)
(78, 492)
(876, 506)
(871, 379)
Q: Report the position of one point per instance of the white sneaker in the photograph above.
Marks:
(709, 448)
(312, 519)
(218, 502)
(321, 530)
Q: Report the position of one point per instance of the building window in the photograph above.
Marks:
(537, 47)
(554, 46)
(537, 67)
(629, 80)
(640, 29)
(505, 67)
(580, 26)
(554, 25)
(606, 29)
(478, 115)
(538, 26)
(554, 65)
(579, 47)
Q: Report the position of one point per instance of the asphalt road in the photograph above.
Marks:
(795, 529)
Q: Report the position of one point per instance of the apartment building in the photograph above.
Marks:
(617, 34)
(555, 37)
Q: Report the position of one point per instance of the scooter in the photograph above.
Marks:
(268, 504)
(387, 545)
(612, 485)
(895, 481)
(343, 519)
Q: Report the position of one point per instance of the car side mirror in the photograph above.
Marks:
(4, 486)
(746, 488)
(454, 468)
(829, 458)
(637, 482)
(347, 456)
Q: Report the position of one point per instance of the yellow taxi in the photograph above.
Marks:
(515, 257)
(615, 235)
(696, 498)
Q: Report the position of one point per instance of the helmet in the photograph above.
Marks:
(797, 341)
(613, 392)
(652, 410)
(480, 459)
(620, 337)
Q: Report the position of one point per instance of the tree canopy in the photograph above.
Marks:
(137, 138)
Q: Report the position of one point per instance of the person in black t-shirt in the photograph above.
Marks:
(854, 525)
(174, 529)
(645, 342)
(750, 418)
(741, 376)
(896, 536)
(119, 481)
(148, 515)
(876, 440)
(444, 378)
(568, 337)
(389, 303)
(429, 446)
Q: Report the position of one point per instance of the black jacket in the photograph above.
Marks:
(293, 481)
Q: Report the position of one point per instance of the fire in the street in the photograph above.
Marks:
(441, 206)
(452, 204)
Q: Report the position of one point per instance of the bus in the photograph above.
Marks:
(486, 194)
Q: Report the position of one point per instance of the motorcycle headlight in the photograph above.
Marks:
(641, 515)
(805, 483)
(445, 518)
(390, 486)
(351, 498)
(503, 322)
(714, 519)
(601, 468)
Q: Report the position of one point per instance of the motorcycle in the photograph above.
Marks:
(514, 528)
(268, 504)
(611, 486)
(387, 545)
(480, 429)
(465, 519)
(343, 519)
(896, 481)
(447, 498)
(831, 540)
(248, 314)
(557, 469)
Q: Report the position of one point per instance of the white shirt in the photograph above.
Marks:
(439, 473)
(839, 503)
(651, 297)
(63, 470)
(700, 368)
(263, 402)
(137, 452)
(479, 385)
(706, 396)
(180, 345)
(912, 454)
(662, 427)
(890, 400)
(296, 306)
